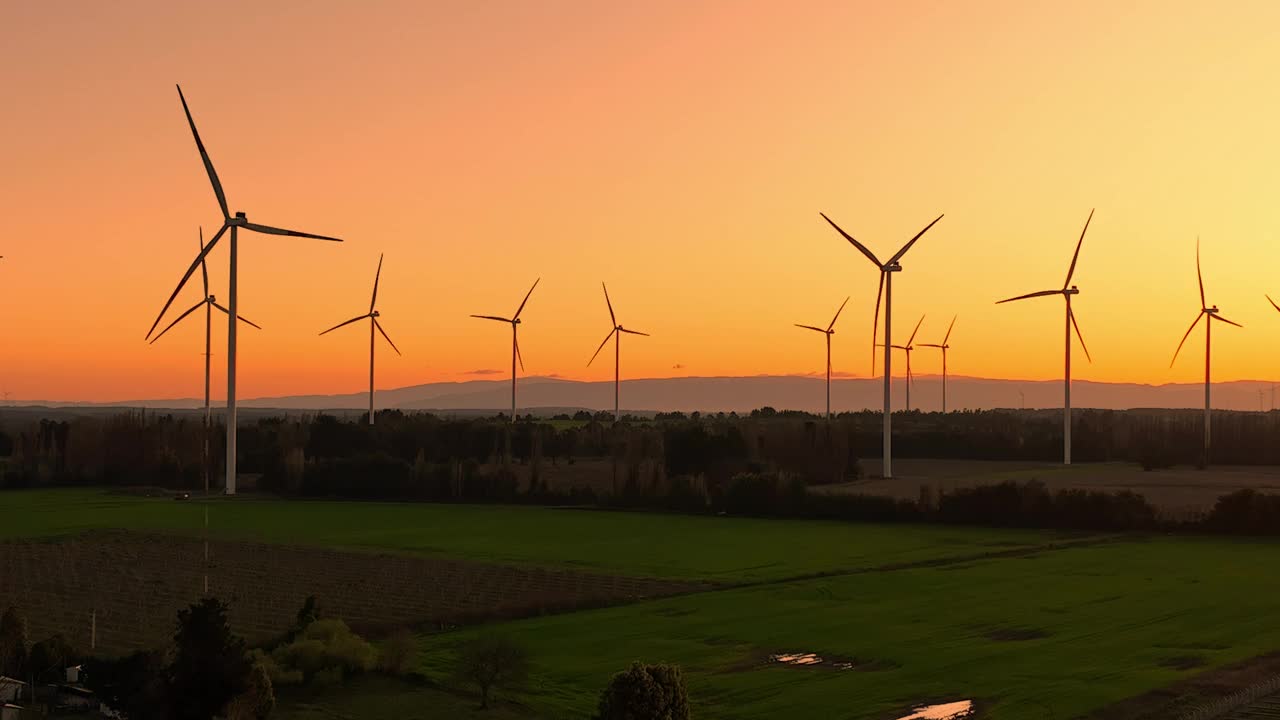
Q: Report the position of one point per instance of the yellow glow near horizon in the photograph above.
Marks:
(679, 151)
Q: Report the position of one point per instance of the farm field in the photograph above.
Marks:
(376, 698)
(1173, 490)
(637, 544)
(1061, 634)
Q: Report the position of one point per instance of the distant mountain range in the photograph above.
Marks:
(544, 395)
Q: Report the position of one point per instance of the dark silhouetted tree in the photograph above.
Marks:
(492, 662)
(645, 692)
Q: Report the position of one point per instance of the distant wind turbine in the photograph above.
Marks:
(515, 342)
(233, 224)
(944, 347)
(1066, 292)
(1212, 314)
(372, 317)
(208, 303)
(886, 291)
(616, 334)
(907, 349)
(828, 333)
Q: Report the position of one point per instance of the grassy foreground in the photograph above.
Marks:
(646, 544)
(1056, 635)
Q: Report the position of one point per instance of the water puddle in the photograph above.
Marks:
(810, 660)
(945, 711)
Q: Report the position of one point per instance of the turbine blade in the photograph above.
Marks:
(376, 277)
(204, 156)
(1219, 317)
(602, 344)
(612, 319)
(1184, 338)
(913, 332)
(526, 299)
(912, 241)
(204, 271)
(519, 357)
(241, 318)
(929, 345)
(492, 317)
(810, 327)
(1072, 270)
(1042, 293)
(1273, 303)
(385, 336)
(175, 322)
(268, 230)
(634, 332)
(185, 277)
(1074, 324)
(837, 317)
(947, 337)
(870, 255)
(875, 324)
(348, 322)
(1199, 277)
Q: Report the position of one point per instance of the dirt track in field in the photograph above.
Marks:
(137, 582)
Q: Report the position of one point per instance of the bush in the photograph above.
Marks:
(13, 643)
(645, 692)
(258, 699)
(325, 650)
(1246, 512)
(49, 659)
(491, 662)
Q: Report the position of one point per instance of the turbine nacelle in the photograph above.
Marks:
(1073, 290)
(212, 299)
(238, 221)
(1211, 310)
(374, 314)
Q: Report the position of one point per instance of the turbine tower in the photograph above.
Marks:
(233, 224)
(1066, 292)
(828, 333)
(515, 342)
(907, 349)
(1212, 314)
(372, 317)
(209, 303)
(944, 347)
(886, 291)
(616, 334)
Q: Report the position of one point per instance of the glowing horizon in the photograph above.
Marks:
(680, 152)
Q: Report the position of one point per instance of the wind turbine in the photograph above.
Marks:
(616, 334)
(1212, 314)
(1066, 292)
(944, 347)
(209, 303)
(828, 333)
(372, 317)
(233, 224)
(515, 343)
(886, 291)
(908, 348)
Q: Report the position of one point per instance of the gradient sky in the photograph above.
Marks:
(680, 151)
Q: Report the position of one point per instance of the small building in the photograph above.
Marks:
(73, 675)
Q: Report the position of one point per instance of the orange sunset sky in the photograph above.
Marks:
(680, 151)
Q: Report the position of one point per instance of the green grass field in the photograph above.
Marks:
(1053, 633)
(1097, 625)
(645, 544)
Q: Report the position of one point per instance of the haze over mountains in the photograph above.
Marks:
(743, 394)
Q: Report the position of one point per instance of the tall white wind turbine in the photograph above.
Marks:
(828, 333)
(1211, 313)
(616, 333)
(886, 291)
(1066, 292)
(514, 320)
(372, 317)
(232, 223)
(907, 349)
(944, 347)
(209, 303)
